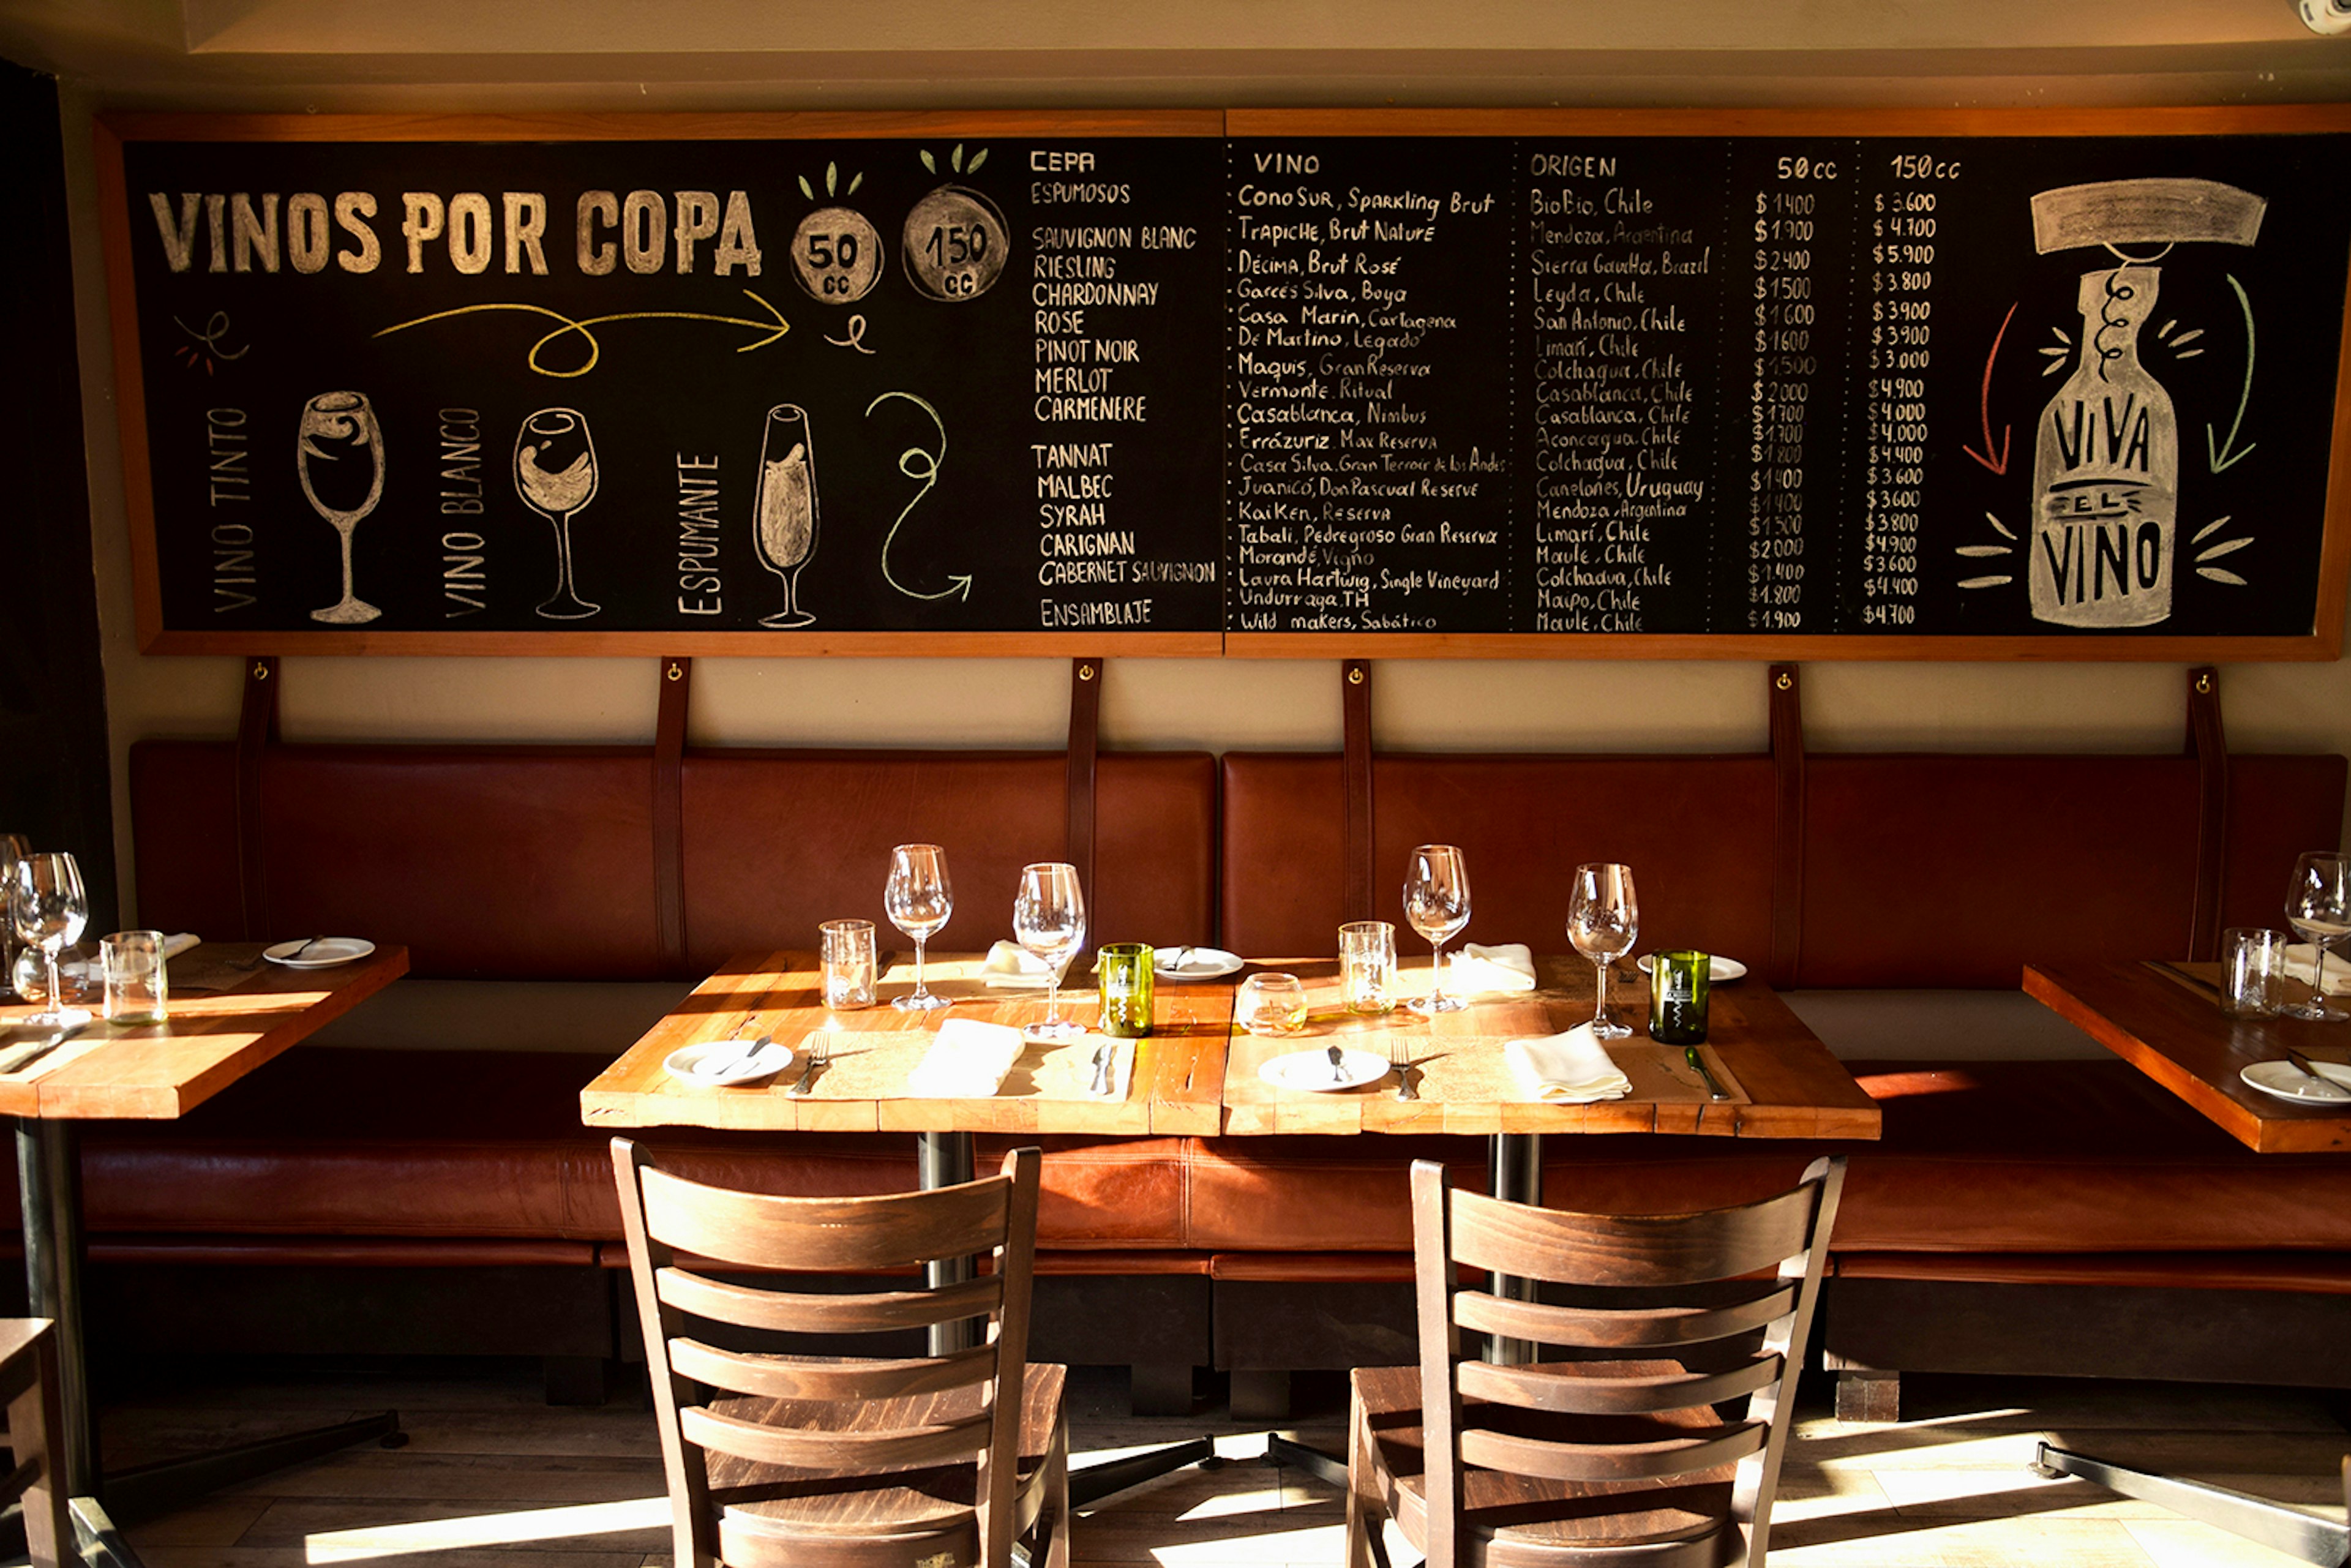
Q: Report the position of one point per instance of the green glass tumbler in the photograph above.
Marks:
(1123, 971)
(1678, 989)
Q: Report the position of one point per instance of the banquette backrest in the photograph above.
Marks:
(540, 863)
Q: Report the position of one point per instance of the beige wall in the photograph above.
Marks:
(1215, 704)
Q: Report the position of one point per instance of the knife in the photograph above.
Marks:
(18, 1057)
(1697, 1062)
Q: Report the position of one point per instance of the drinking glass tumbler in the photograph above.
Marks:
(1271, 1004)
(1124, 972)
(848, 954)
(1367, 966)
(2253, 963)
(1678, 997)
(137, 988)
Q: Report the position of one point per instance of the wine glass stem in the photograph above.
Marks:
(346, 531)
(919, 991)
(563, 557)
(1053, 1000)
(57, 997)
(1600, 999)
(2318, 980)
(1437, 964)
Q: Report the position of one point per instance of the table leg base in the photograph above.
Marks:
(2305, 1537)
(1094, 1483)
(148, 1491)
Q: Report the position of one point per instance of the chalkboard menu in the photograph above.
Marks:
(1905, 384)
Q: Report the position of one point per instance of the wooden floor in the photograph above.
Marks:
(492, 1478)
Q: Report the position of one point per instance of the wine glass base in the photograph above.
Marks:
(921, 1002)
(1428, 1006)
(561, 609)
(784, 620)
(1062, 1029)
(1611, 1030)
(2314, 1012)
(350, 613)
(56, 1019)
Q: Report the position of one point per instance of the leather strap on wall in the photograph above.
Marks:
(1788, 832)
(669, 814)
(257, 731)
(1085, 721)
(1355, 689)
(2209, 744)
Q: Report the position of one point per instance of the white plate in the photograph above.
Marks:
(1718, 968)
(685, 1063)
(2286, 1080)
(324, 954)
(1199, 963)
(1312, 1070)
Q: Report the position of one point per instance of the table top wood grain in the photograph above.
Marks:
(159, 1071)
(2165, 1019)
(1194, 1076)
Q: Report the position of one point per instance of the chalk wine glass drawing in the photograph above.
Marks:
(787, 509)
(555, 473)
(339, 457)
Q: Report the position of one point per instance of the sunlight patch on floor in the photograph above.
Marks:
(508, 1529)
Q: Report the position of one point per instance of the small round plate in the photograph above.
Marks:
(1718, 968)
(2287, 1081)
(1193, 963)
(323, 954)
(1313, 1070)
(685, 1063)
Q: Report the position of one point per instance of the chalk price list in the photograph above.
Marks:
(1904, 223)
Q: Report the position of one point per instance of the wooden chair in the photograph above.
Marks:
(37, 1426)
(1612, 1453)
(777, 1459)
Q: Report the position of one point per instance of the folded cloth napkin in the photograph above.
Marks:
(1508, 968)
(1013, 968)
(2302, 962)
(966, 1062)
(1568, 1068)
(179, 943)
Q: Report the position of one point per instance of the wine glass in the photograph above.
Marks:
(786, 508)
(918, 899)
(1048, 920)
(48, 908)
(1602, 919)
(13, 848)
(2318, 907)
(339, 457)
(1437, 905)
(555, 473)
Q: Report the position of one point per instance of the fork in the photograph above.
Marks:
(817, 1049)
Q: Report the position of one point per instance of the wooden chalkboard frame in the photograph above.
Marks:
(2323, 642)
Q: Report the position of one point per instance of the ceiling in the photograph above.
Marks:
(873, 53)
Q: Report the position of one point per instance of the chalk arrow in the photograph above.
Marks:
(1999, 465)
(916, 463)
(2223, 455)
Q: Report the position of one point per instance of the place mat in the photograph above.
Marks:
(874, 1064)
(1470, 1070)
(215, 967)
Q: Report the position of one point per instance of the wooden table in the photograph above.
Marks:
(154, 1071)
(2165, 1019)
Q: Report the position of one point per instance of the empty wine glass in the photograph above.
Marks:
(918, 899)
(1437, 905)
(555, 473)
(2318, 907)
(1048, 920)
(1602, 919)
(339, 458)
(12, 848)
(48, 908)
(786, 508)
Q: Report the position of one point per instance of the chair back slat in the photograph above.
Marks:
(832, 1450)
(1574, 1389)
(1629, 1250)
(846, 1235)
(1634, 1461)
(809, 1311)
(807, 1377)
(1614, 1328)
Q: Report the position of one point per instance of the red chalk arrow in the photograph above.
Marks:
(2000, 466)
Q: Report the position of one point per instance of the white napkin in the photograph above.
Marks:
(2302, 962)
(966, 1062)
(175, 945)
(1566, 1069)
(1509, 967)
(1013, 968)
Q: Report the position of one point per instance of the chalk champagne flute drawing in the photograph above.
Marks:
(2318, 907)
(1602, 919)
(339, 457)
(918, 898)
(786, 508)
(555, 473)
(47, 905)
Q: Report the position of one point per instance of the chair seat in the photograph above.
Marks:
(789, 1499)
(1511, 1518)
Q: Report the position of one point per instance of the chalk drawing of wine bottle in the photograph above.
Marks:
(339, 456)
(786, 507)
(2105, 464)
